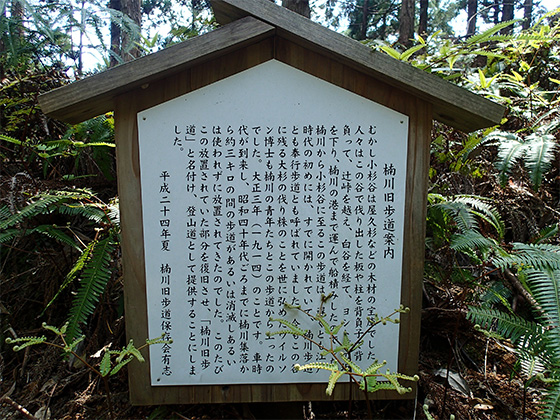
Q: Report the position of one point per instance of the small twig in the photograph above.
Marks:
(486, 357)
(519, 288)
(16, 406)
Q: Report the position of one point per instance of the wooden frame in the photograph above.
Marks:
(127, 106)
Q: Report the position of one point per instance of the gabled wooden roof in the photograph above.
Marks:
(248, 21)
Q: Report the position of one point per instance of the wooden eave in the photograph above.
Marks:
(95, 95)
(246, 22)
(452, 104)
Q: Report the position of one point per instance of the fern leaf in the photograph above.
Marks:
(540, 149)
(547, 233)
(318, 365)
(396, 385)
(42, 205)
(545, 288)
(9, 234)
(508, 326)
(95, 276)
(10, 139)
(485, 211)
(90, 212)
(471, 239)
(76, 268)
(333, 378)
(292, 328)
(105, 365)
(54, 233)
(355, 368)
(5, 212)
(487, 34)
(23, 342)
(552, 403)
(538, 256)
(374, 367)
(510, 150)
(325, 324)
(121, 364)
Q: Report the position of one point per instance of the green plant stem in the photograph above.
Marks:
(108, 394)
(368, 404)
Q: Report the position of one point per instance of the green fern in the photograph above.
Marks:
(537, 151)
(506, 325)
(471, 239)
(94, 279)
(536, 256)
(42, 205)
(54, 232)
(537, 342)
(71, 276)
(489, 33)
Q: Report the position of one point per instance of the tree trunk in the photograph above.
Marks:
(122, 45)
(472, 10)
(423, 20)
(507, 14)
(527, 14)
(406, 25)
(115, 36)
(298, 6)
(133, 9)
(365, 19)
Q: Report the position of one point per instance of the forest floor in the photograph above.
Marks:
(461, 373)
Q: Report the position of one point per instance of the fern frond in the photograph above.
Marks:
(95, 277)
(105, 365)
(544, 285)
(540, 150)
(374, 367)
(54, 233)
(292, 328)
(121, 364)
(487, 34)
(508, 326)
(552, 403)
(392, 379)
(4, 213)
(10, 139)
(510, 150)
(41, 206)
(333, 378)
(88, 211)
(521, 37)
(470, 240)
(485, 211)
(9, 234)
(333, 367)
(76, 268)
(460, 213)
(355, 368)
(538, 256)
(23, 342)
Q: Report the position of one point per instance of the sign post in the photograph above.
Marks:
(269, 161)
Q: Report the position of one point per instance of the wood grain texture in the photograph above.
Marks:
(451, 104)
(94, 95)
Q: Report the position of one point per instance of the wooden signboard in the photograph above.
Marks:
(271, 160)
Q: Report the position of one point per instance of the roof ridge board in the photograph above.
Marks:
(447, 98)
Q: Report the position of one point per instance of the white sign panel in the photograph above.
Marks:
(267, 187)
